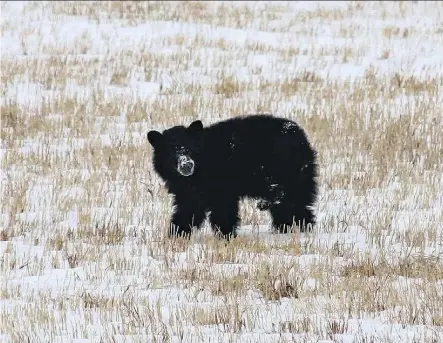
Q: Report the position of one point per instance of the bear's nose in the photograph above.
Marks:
(185, 165)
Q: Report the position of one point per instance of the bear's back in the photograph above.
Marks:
(250, 134)
(240, 146)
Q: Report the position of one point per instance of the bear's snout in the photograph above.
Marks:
(185, 165)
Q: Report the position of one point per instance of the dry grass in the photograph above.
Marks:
(83, 252)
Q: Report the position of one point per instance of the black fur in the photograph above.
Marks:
(260, 156)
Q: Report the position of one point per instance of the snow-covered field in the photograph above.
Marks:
(83, 252)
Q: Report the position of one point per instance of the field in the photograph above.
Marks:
(84, 255)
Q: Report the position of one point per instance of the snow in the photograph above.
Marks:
(81, 247)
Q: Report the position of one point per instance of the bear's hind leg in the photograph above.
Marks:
(224, 218)
(286, 216)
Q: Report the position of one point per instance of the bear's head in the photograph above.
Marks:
(176, 150)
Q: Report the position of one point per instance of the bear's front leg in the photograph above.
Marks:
(187, 214)
(224, 217)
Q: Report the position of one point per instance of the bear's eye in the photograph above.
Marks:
(181, 150)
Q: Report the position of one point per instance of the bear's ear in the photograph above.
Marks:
(155, 138)
(196, 126)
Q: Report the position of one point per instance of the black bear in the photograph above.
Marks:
(209, 169)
